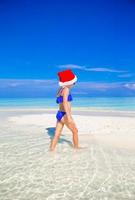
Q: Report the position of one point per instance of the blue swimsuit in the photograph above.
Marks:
(59, 99)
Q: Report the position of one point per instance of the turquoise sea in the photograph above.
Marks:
(113, 103)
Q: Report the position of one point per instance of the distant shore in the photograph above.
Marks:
(76, 110)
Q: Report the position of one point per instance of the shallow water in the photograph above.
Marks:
(29, 171)
(113, 103)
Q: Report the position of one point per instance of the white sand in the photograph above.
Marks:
(103, 170)
(116, 131)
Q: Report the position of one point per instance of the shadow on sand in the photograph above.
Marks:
(51, 133)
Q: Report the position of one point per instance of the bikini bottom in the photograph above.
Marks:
(60, 114)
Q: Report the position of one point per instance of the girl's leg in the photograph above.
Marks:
(73, 128)
(58, 130)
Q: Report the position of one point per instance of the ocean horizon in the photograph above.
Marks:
(108, 103)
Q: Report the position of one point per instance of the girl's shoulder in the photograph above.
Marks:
(65, 90)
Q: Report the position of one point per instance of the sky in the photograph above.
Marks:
(96, 39)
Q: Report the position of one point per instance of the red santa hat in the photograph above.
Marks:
(66, 77)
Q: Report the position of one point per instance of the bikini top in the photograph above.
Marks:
(60, 98)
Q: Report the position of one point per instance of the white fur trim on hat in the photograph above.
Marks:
(68, 82)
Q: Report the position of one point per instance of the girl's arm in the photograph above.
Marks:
(65, 103)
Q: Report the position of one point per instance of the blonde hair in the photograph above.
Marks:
(60, 89)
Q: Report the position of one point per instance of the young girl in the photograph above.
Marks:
(64, 116)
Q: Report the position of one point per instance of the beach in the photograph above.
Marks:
(103, 169)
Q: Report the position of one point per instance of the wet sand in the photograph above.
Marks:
(102, 170)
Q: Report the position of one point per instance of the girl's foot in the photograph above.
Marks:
(52, 150)
(80, 147)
